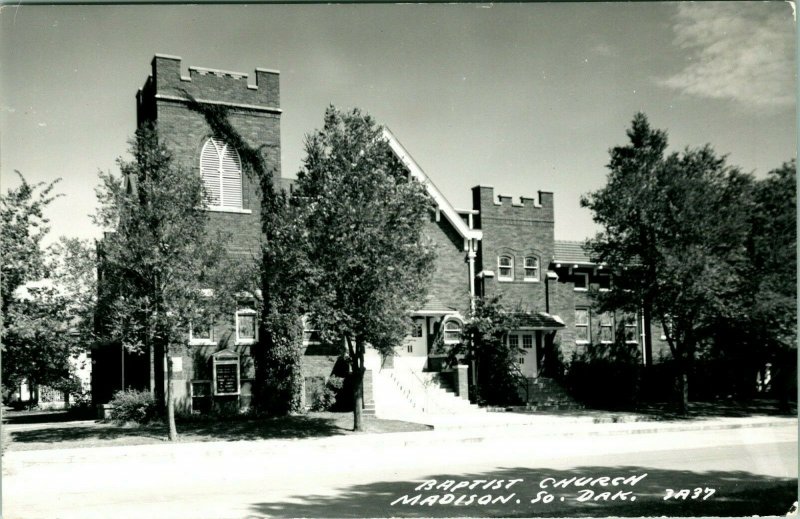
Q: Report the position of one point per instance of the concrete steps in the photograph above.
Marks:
(401, 393)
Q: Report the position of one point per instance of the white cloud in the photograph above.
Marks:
(739, 51)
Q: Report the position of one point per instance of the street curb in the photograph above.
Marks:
(15, 460)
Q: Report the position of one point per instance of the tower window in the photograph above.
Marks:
(221, 170)
(531, 268)
(505, 267)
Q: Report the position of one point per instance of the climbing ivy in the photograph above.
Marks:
(282, 266)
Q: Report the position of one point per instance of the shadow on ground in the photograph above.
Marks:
(37, 417)
(737, 493)
(233, 429)
(292, 427)
(667, 411)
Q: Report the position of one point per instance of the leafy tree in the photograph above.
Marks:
(157, 267)
(772, 320)
(496, 361)
(24, 226)
(365, 219)
(674, 228)
(774, 256)
(34, 319)
(72, 266)
(37, 339)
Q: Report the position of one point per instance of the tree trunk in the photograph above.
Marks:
(358, 386)
(683, 389)
(173, 431)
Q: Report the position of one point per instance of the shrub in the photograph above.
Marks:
(323, 397)
(606, 376)
(133, 406)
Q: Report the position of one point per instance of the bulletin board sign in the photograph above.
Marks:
(226, 373)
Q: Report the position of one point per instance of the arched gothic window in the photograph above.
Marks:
(221, 170)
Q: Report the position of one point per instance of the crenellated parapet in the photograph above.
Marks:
(507, 208)
(212, 85)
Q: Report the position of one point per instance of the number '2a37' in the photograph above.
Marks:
(687, 493)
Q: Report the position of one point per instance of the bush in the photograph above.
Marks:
(133, 406)
(606, 376)
(323, 397)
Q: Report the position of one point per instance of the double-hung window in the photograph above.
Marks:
(583, 333)
(201, 334)
(631, 331)
(505, 268)
(531, 268)
(606, 327)
(245, 326)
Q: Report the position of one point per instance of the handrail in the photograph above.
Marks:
(406, 377)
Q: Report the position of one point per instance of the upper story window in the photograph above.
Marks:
(221, 170)
(531, 268)
(505, 268)
(452, 332)
(201, 334)
(604, 282)
(581, 281)
(245, 326)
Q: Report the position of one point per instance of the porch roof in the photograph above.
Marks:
(569, 252)
(540, 320)
(433, 306)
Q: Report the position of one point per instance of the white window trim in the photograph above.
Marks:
(527, 278)
(635, 333)
(601, 326)
(586, 277)
(460, 331)
(239, 340)
(200, 341)
(588, 327)
(223, 209)
(500, 276)
(219, 151)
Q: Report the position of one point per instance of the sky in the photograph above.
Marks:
(522, 97)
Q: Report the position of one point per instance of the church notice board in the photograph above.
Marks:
(226, 375)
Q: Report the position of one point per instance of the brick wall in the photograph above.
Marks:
(450, 281)
(517, 229)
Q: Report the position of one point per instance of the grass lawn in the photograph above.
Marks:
(64, 435)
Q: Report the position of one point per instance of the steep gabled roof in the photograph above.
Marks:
(441, 202)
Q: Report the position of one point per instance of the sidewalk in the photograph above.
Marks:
(513, 430)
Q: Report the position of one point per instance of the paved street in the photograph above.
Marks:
(741, 471)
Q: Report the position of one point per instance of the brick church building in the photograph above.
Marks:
(502, 245)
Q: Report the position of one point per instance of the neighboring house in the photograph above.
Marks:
(497, 247)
